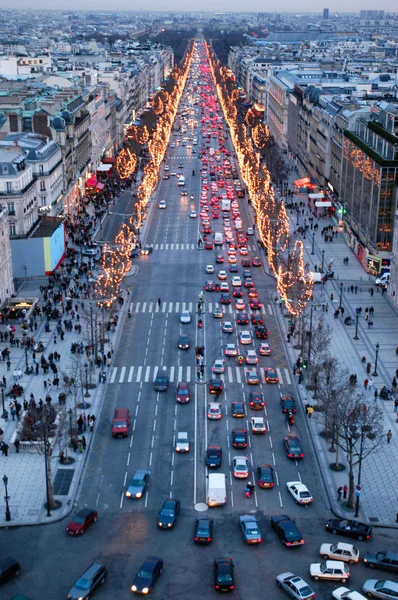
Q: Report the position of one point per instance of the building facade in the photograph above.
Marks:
(6, 280)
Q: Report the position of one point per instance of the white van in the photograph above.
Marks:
(316, 277)
(218, 239)
(216, 489)
(181, 181)
(384, 279)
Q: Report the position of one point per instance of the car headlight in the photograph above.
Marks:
(138, 495)
(168, 524)
(133, 588)
(145, 590)
(160, 524)
(128, 494)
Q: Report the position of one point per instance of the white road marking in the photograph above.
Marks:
(122, 374)
(130, 376)
(113, 376)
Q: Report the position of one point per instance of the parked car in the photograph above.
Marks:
(388, 561)
(340, 551)
(349, 528)
(9, 568)
(333, 570)
(295, 586)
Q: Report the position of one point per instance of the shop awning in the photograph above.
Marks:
(100, 186)
(108, 160)
(104, 168)
(92, 182)
(302, 182)
(315, 196)
(323, 204)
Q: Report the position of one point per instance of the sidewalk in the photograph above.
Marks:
(379, 480)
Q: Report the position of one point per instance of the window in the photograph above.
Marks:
(9, 187)
(13, 230)
(42, 186)
(41, 170)
(5, 169)
(11, 208)
(43, 200)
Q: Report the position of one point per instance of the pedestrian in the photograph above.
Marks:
(371, 291)
(366, 383)
(17, 443)
(342, 311)
(376, 393)
(368, 368)
(91, 425)
(370, 384)
(394, 384)
(310, 410)
(159, 302)
(103, 376)
(366, 316)
(396, 405)
(389, 436)
(371, 311)
(84, 442)
(345, 488)
(4, 448)
(80, 444)
(339, 493)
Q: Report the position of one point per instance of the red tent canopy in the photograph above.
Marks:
(302, 182)
(91, 183)
(100, 186)
(108, 160)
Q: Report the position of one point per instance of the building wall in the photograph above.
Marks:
(6, 280)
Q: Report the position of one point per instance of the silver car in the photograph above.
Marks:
(378, 588)
(295, 586)
(138, 484)
(182, 442)
(185, 316)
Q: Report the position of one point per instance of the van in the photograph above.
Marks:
(384, 279)
(316, 277)
(218, 239)
(121, 422)
(89, 582)
(181, 181)
(216, 489)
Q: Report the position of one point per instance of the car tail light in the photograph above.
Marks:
(300, 500)
(231, 587)
(290, 455)
(196, 539)
(217, 587)
(301, 455)
(209, 539)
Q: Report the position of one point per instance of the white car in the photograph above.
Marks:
(251, 357)
(162, 204)
(173, 174)
(224, 287)
(185, 316)
(258, 425)
(218, 366)
(222, 275)
(250, 231)
(240, 304)
(334, 570)
(264, 349)
(295, 586)
(227, 327)
(300, 492)
(240, 467)
(340, 551)
(245, 337)
(192, 214)
(209, 269)
(236, 281)
(182, 442)
(214, 410)
(343, 593)
(166, 168)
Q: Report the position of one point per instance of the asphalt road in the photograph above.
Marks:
(127, 532)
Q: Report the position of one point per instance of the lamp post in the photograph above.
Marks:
(6, 498)
(26, 361)
(297, 222)
(313, 243)
(87, 394)
(375, 373)
(2, 399)
(323, 260)
(365, 430)
(341, 295)
(356, 327)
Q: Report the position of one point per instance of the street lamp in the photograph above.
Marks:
(375, 373)
(26, 361)
(341, 295)
(323, 260)
(365, 431)
(2, 399)
(6, 498)
(87, 394)
(313, 242)
(356, 327)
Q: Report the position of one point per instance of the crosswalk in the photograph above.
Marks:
(234, 374)
(179, 307)
(185, 246)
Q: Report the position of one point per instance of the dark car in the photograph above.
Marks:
(242, 319)
(226, 299)
(161, 383)
(183, 342)
(224, 574)
(287, 530)
(147, 575)
(9, 568)
(168, 514)
(349, 528)
(89, 582)
(261, 332)
(213, 457)
(255, 304)
(257, 319)
(237, 293)
(138, 484)
(265, 476)
(82, 521)
(135, 253)
(256, 261)
(233, 268)
(216, 386)
(147, 250)
(239, 438)
(238, 409)
(183, 395)
(211, 286)
(246, 262)
(256, 400)
(388, 561)
(293, 447)
(288, 404)
(203, 530)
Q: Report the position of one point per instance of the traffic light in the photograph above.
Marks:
(305, 364)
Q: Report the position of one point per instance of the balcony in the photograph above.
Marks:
(22, 192)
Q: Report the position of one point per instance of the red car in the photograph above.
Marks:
(256, 261)
(255, 304)
(82, 521)
(253, 293)
(209, 246)
(246, 263)
(219, 259)
(237, 293)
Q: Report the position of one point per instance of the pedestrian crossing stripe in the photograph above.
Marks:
(179, 307)
(233, 374)
(182, 246)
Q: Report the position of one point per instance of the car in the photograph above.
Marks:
(227, 327)
(255, 304)
(180, 165)
(349, 528)
(146, 577)
(168, 513)
(287, 531)
(300, 492)
(334, 570)
(216, 386)
(295, 586)
(242, 319)
(271, 375)
(238, 409)
(340, 551)
(243, 251)
(264, 349)
(252, 377)
(388, 561)
(258, 425)
(240, 304)
(239, 438)
(257, 319)
(375, 588)
(9, 568)
(265, 476)
(214, 410)
(261, 332)
(253, 293)
(224, 287)
(212, 286)
(193, 214)
(183, 342)
(292, 447)
(166, 176)
(166, 168)
(89, 252)
(288, 404)
(135, 253)
(236, 281)
(209, 269)
(246, 263)
(182, 442)
(256, 261)
(233, 268)
(218, 366)
(245, 337)
(161, 383)
(251, 357)
(82, 521)
(225, 298)
(247, 274)
(237, 293)
(224, 574)
(203, 530)
(162, 204)
(183, 395)
(147, 250)
(218, 312)
(256, 400)
(219, 261)
(88, 582)
(209, 244)
(250, 529)
(138, 484)
(230, 350)
(248, 283)
(240, 467)
(185, 316)
(343, 593)
(213, 457)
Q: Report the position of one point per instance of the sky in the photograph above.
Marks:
(204, 5)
